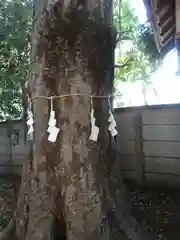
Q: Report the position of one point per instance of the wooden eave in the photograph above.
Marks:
(161, 14)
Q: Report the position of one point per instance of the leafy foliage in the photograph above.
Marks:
(137, 52)
(15, 26)
(137, 49)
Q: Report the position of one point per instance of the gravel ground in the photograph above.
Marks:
(8, 193)
(157, 210)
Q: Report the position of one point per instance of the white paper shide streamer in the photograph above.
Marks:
(52, 129)
(94, 129)
(112, 125)
(30, 123)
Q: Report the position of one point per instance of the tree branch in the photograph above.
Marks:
(123, 36)
(124, 64)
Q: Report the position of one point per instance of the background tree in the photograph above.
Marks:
(137, 50)
(15, 27)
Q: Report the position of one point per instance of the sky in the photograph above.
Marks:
(165, 81)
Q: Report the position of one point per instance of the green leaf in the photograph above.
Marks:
(139, 52)
(15, 27)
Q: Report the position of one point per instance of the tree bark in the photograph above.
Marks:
(71, 189)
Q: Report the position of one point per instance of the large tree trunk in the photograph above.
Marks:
(71, 189)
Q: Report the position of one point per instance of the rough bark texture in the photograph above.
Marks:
(70, 189)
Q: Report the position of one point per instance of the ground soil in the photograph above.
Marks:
(156, 209)
(9, 186)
